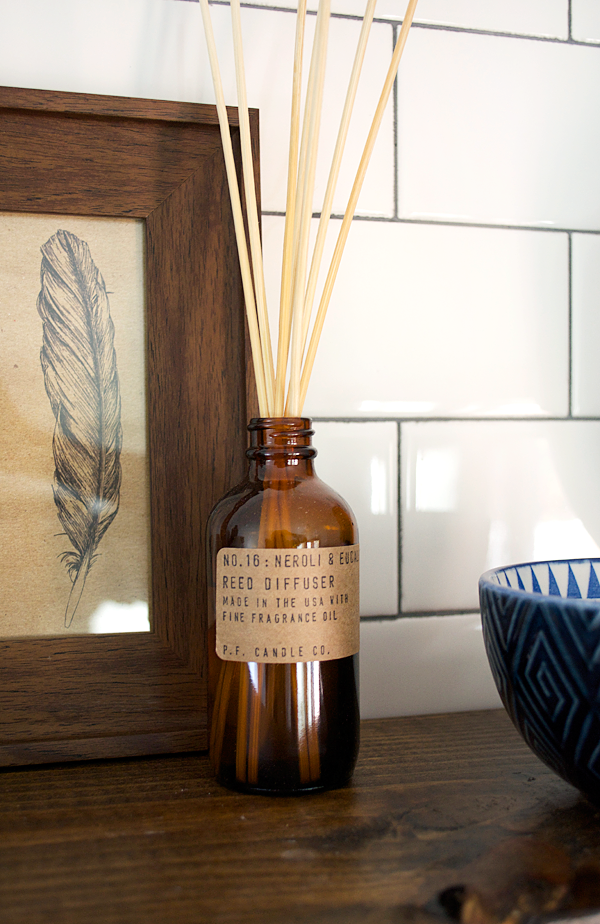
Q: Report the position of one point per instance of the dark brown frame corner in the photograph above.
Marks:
(140, 693)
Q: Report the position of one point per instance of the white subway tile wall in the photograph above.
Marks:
(361, 460)
(415, 666)
(456, 396)
(421, 311)
(478, 494)
(498, 130)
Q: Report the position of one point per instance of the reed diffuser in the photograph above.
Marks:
(282, 546)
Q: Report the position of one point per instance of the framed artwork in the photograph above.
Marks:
(124, 383)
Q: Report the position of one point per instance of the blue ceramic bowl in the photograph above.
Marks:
(541, 626)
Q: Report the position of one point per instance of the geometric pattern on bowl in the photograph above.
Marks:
(541, 628)
(577, 579)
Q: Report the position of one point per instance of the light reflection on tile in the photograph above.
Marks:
(493, 494)
(586, 324)
(359, 461)
(436, 480)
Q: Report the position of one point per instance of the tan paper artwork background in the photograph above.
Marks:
(34, 583)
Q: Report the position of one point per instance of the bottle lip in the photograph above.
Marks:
(280, 423)
(281, 436)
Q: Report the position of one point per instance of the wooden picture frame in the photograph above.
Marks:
(70, 698)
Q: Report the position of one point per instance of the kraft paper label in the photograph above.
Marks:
(279, 606)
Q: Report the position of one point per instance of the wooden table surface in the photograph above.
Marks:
(454, 805)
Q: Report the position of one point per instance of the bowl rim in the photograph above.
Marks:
(486, 581)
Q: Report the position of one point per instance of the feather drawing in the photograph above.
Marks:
(80, 374)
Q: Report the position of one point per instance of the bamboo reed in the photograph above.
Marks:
(312, 122)
(352, 201)
(285, 313)
(336, 164)
(251, 206)
(238, 219)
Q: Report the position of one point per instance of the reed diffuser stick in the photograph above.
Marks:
(336, 164)
(303, 152)
(312, 122)
(285, 310)
(251, 206)
(356, 188)
(238, 219)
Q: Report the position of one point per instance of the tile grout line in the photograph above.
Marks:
(444, 223)
(423, 614)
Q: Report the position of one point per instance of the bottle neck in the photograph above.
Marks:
(280, 448)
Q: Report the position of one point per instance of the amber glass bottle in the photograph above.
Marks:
(279, 722)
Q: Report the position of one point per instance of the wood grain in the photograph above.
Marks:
(434, 803)
(88, 696)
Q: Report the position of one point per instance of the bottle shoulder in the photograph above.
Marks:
(295, 511)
